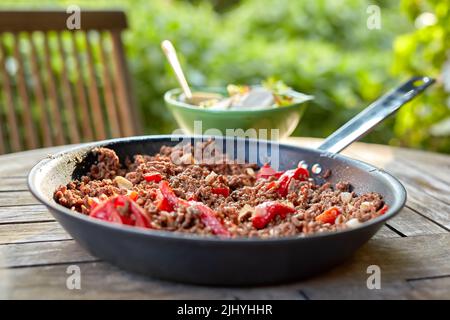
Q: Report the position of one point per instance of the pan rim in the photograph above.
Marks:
(393, 210)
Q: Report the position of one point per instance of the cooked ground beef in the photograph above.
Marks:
(224, 199)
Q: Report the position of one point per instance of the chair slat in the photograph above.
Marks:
(13, 128)
(125, 112)
(86, 122)
(97, 115)
(108, 90)
(39, 94)
(72, 122)
(55, 91)
(58, 131)
(2, 140)
(27, 116)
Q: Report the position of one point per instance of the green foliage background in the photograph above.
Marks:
(318, 47)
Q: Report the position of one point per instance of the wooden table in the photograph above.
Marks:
(412, 250)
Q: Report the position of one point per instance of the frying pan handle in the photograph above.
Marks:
(375, 113)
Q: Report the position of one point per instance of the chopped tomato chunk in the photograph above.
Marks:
(121, 209)
(168, 199)
(329, 216)
(267, 211)
(210, 219)
(153, 176)
(286, 178)
(225, 191)
(383, 209)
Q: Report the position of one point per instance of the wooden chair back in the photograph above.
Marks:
(61, 86)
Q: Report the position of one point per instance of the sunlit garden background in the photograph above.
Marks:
(318, 47)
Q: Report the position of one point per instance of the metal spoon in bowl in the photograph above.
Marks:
(194, 98)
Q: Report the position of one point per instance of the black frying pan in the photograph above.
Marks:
(243, 261)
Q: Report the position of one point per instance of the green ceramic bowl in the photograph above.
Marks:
(195, 120)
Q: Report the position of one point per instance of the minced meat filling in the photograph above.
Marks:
(226, 199)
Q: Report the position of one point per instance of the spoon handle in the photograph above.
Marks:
(171, 55)
(374, 114)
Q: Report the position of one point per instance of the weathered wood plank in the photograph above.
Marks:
(20, 214)
(20, 163)
(17, 198)
(32, 232)
(431, 288)
(405, 169)
(99, 280)
(385, 233)
(399, 259)
(13, 184)
(42, 253)
(422, 181)
(428, 206)
(409, 223)
(434, 164)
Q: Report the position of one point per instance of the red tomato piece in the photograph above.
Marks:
(286, 178)
(169, 199)
(140, 217)
(383, 209)
(209, 218)
(162, 203)
(122, 210)
(267, 211)
(103, 211)
(193, 198)
(225, 191)
(153, 176)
